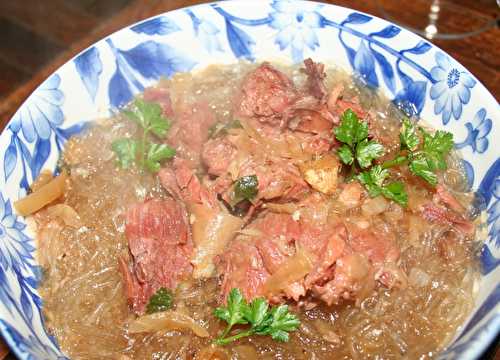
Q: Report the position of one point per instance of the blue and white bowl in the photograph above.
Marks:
(418, 76)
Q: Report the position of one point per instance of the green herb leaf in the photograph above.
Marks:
(420, 167)
(160, 301)
(150, 117)
(233, 313)
(246, 188)
(144, 153)
(351, 130)
(345, 154)
(256, 312)
(126, 151)
(408, 135)
(396, 191)
(374, 179)
(156, 154)
(367, 151)
(263, 320)
(279, 323)
(436, 147)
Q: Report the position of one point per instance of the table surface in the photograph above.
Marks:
(39, 36)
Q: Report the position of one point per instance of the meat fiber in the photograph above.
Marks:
(315, 79)
(160, 247)
(217, 155)
(266, 94)
(345, 261)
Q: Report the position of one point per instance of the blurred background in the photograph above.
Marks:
(38, 36)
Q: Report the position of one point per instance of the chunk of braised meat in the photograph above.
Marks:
(181, 182)
(352, 278)
(333, 97)
(160, 247)
(315, 79)
(446, 209)
(277, 178)
(445, 216)
(343, 104)
(266, 94)
(242, 267)
(444, 196)
(217, 155)
(160, 96)
(345, 261)
(190, 130)
(313, 121)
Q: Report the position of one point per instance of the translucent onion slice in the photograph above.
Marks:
(166, 320)
(293, 269)
(44, 195)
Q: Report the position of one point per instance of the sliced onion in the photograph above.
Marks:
(212, 230)
(42, 179)
(166, 320)
(43, 196)
(292, 269)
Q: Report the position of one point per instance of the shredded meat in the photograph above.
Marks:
(345, 263)
(217, 155)
(315, 79)
(268, 95)
(160, 247)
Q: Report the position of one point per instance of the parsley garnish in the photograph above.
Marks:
(143, 153)
(161, 300)
(356, 148)
(430, 158)
(374, 180)
(274, 321)
(424, 154)
(246, 188)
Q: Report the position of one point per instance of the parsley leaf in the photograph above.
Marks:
(351, 130)
(161, 300)
(353, 133)
(408, 135)
(144, 153)
(374, 179)
(126, 151)
(420, 167)
(246, 188)
(396, 191)
(432, 156)
(263, 320)
(368, 150)
(279, 323)
(345, 154)
(233, 313)
(149, 117)
(436, 147)
(256, 312)
(157, 153)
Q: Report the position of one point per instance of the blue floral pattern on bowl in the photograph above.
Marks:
(418, 77)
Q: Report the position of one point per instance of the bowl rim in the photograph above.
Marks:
(487, 338)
